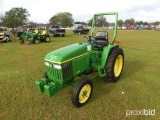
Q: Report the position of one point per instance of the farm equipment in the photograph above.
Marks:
(34, 36)
(5, 35)
(20, 33)
(21, 30)
(96, 53)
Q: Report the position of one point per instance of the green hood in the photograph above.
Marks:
(68, 53)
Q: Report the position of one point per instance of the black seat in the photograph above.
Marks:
(101, 39)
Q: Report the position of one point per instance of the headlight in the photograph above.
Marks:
(46, 63)
(57, 66)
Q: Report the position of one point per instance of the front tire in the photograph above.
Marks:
(7, 39)
(82, 92)
(47, 39)
(114, 65)
(36, 41)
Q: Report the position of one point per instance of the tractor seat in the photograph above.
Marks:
(43, 32)
(101, 39)
(35, 31)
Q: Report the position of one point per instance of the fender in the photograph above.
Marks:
(105, 55)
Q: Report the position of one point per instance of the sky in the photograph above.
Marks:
(82, 10)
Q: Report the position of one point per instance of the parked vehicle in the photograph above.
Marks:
(158, 27)
(5, 35)
(110, 28)
(56, 30)
(138, 28)
(79, 28)
(149, 27)
(34, 36)
(20, 30)
(97, 53)
(123, 27)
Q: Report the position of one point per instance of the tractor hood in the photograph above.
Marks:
(68, 53)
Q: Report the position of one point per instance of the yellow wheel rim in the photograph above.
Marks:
(47, 39)
(36, 41)
(118, 65)
(84, 93)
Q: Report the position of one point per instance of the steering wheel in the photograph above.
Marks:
(89, 38)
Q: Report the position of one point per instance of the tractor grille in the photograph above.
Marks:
(67, 70)
(57, 74)
(60, 75)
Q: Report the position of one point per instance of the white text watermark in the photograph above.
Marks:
(140, 112)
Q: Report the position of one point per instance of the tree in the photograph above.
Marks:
(127, 21)
(99, 21)
(120, 23)
(62, 18)
(89, 22)
(1, 19)
(145, 23)
(33, 24)
(156, 23)
(84, 23)
(130, 21)
(17, 16)
(139, 22)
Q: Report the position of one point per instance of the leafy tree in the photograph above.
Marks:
(120, 23)
(33, 24)
(1, 18)
(156, 23)
(62, 18)
(127, 21)
(130, 21)
(17, 16)
(145, 23)
(89, 22)
(84, 23)
(99, 21)
(139, 22)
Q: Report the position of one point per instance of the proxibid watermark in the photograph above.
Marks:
(140, 112)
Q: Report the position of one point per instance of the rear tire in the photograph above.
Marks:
(114, 65)
(82, 92)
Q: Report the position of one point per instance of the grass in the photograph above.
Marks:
(22, 65)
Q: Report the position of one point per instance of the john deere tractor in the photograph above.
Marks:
(96, 53)
(34, 36)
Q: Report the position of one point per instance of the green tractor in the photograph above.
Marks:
(34, 36)
(96, 53)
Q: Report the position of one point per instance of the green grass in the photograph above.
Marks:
(22, 65)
